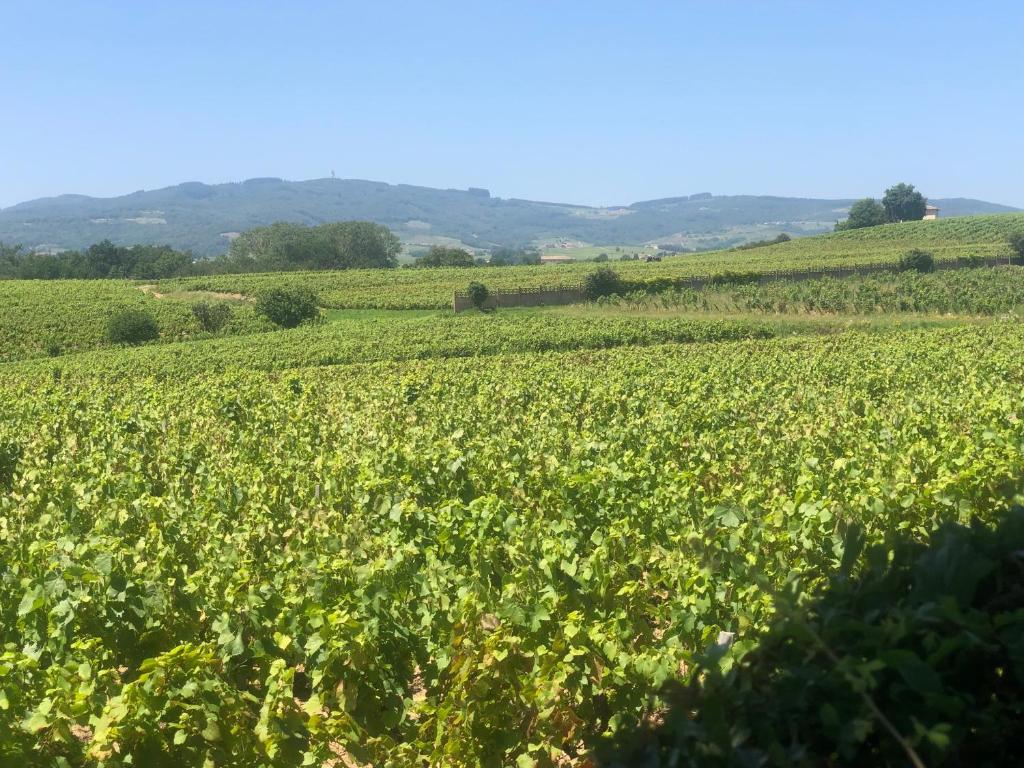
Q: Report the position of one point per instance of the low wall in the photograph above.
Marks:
(524, 297)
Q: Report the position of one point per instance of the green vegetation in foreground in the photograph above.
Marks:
(947, 239)
(463, 562)
(930, 634)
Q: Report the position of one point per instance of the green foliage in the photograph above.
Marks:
(212, 316)
(441, 256)
(452, 561)
(478, 294)
(1016, 241)
(981, 291)
(339, 245)
(782, 237)
(98, 261)
(864, 213)
(66, 316)
(917, 260)
(903, 203)
(917, 654)
(602, 282)
(947, 239)
(287, 307)
(10, 455)
(132, 326)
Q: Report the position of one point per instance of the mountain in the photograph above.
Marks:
(202, 217)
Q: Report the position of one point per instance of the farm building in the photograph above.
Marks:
(556, 258)
(931, 213)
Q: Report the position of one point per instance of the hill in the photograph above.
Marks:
(203, 218)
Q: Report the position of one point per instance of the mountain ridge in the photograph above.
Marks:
(203, 217)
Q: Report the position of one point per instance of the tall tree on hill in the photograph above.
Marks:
(338, 245)
(441, 256)
(904, 203)
(864, 213)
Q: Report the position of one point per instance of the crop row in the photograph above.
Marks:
(458, 562)
(391, 338)
(963, 292)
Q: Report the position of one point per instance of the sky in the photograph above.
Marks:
(591, 103)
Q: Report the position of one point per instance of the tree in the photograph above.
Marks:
(443, 256)
(478, 294)
(503, 257)
(865, 213)
(338, 245)
(602, 282)
(287, 307)
(917, 260)
(132, 326)
(212, 316)
(1016, 240)
(904, 203)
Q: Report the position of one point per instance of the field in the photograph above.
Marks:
(949, 239)
(419, 539)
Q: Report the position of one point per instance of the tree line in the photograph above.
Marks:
(278, 247)
(901, 202)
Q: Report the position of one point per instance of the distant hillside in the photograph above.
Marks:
(203, 217)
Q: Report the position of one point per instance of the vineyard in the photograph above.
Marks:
(53, 318)
(962, 292)
(374, 564)
(951, 239)
(390, 538)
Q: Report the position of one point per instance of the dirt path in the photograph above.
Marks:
(212, 295)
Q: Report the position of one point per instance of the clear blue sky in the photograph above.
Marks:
(595, 102)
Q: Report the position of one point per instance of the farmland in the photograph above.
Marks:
(414, 538)
(951, 239)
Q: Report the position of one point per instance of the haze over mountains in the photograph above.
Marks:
(202, 218)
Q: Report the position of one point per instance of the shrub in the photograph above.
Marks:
(917, 261)
(1016, 240)
(920, 653)
(478, 294)
(212, 316)
(287, 307)
(132, 326)
(602, 282)
(10, 455)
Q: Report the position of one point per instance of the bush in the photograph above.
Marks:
(920, 653)
(1016, 241)
(478, 294)
(212, 316)
(287, 307)
(917, 261)
(10, 455)
(132, 326)
(602, 282)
